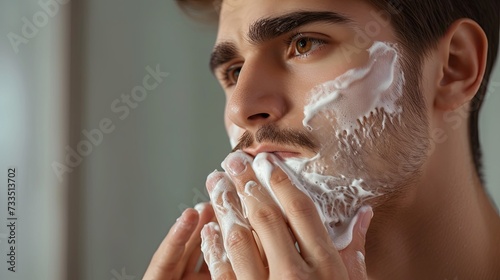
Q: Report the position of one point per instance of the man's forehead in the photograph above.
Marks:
(271, 7)
(236, 16)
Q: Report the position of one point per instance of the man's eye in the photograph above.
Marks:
(303, 46)
(231, 75)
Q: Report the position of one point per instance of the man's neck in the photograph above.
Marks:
(446, 229)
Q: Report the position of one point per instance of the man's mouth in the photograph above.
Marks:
(281, 152)
(285, 155)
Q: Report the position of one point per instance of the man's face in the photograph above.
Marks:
(321, 85)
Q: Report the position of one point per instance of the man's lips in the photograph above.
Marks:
(284, 155)
(280, 152)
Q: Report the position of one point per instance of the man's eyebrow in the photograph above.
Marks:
(221, 54)
(266, 29)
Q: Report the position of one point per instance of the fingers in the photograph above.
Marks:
(165, 261)
(316, 246)
(215, 254)
(264, 214)
(237, 236)
(195, 260)
(279, 211)
(354, 255)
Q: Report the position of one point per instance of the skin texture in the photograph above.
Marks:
(436, 223)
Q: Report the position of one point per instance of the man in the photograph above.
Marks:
(342, 111)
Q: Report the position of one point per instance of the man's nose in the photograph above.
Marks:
(258, 97)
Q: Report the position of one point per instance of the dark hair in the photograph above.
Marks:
(419, 24)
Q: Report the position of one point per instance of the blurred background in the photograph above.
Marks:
(102, 176)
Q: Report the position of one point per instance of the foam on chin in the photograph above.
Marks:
(338, 224)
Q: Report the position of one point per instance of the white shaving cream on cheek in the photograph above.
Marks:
(359, 92)
(340, 107)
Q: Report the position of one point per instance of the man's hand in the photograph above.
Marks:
(179, 254)
(277, 235)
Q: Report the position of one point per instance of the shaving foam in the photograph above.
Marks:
(229, 215)
(333, 204)
(359, 92)
(213, 252)
(341, 107)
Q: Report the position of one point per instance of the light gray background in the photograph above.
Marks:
(126, 194)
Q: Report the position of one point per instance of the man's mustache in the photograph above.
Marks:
(272, 134)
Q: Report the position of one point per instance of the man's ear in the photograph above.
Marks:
(463, 51)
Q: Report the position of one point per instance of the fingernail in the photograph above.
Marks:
(236, 167)
(236, 163)
(183, 222)
(213, 179)
(366, 217)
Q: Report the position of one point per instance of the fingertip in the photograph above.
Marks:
(284, 170)
(211, 244)
(190, 213)
(236, 163)
(354, 255)
(212, 179)
(366, 213)
(360, 228)
(188, 219)
(205, 211)
(263, 168)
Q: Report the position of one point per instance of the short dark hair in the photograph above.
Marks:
(419, 24)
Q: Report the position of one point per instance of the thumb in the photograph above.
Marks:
(354, 255)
